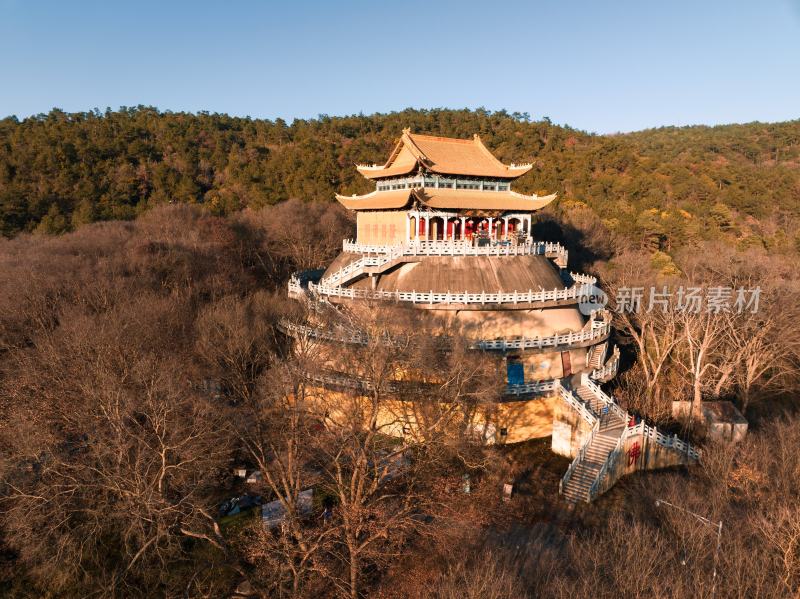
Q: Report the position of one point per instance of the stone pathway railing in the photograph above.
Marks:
(608, 370)
(460, 248)
(574, 294)
(611, 409)
(374, 257)
(596, 328)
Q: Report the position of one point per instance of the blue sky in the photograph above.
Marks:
(602, 66)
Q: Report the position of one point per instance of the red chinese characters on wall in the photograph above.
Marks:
(634, 451)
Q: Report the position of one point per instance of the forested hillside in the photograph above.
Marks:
(142, 366)
(141, 361)
(658, 189)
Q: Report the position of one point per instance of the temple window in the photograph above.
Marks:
(421, 181)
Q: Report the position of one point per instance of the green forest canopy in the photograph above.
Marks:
(659, 188)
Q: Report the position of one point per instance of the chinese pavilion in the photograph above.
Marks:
(443, 231)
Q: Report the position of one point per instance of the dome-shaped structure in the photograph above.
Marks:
(443, 233)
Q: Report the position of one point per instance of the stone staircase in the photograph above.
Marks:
(592, 399)
(596, 356)
(588, 474)
(367, 265)
(608, 426)
(603, 442)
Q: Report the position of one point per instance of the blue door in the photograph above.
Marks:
(516, 373)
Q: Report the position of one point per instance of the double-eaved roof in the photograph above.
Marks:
(450, 158)
(443, 156)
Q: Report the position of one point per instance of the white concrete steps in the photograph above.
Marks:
(609, 432)
(611, 427)
(368, 265)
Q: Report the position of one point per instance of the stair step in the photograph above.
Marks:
(596, 454)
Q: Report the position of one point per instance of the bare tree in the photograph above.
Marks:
(389, 434)
(277, 428)
(117, 470)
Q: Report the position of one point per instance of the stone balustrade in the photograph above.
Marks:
(573, 294)
(533, 387)
(609, 370)
(669, 441)
(579, 457)
(583, 409)
(610, 402)
(461, 248)
(595, 329)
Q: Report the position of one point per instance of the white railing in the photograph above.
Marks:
(438, 182)
(609, 401)
(461, 248)
(533, 387)
(609, 369)
(571, 294)
(668, 441)
(580, 406)
(608, 465)
(376, 256)
(337, 277)
(591, 331)
(583, 279)
(536, 386)
(299, 280)
(652, 433)
(347, 382)
(578, 459)
(297, 330)
(294, 286)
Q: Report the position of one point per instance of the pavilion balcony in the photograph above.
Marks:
(463, 248)
(439, 182)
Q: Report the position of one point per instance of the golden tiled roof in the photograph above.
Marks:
(446, 199)
(460, 199)
(377, 200)
(442, 155)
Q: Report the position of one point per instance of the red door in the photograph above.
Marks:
(566, 364)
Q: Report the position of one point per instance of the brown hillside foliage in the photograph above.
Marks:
(112, 447)
(141, 361)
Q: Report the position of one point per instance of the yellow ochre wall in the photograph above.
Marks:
(522, 420)
(381, 228)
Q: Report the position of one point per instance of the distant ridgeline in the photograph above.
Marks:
(659, 188)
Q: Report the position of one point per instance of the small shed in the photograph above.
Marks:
(724, 422)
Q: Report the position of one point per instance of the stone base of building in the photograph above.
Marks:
(569, 431)
(504, 422)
